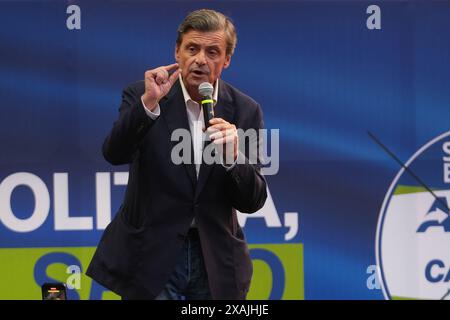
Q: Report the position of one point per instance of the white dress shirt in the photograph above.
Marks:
(196, 123)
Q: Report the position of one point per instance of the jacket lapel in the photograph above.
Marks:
(173, 110)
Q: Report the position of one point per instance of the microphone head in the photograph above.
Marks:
(205, 89)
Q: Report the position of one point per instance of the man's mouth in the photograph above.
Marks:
(198, 72)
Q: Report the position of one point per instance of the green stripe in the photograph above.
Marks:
(17, 268)
(401, 189)
(404, 298)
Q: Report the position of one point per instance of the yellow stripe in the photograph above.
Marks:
(207, 101)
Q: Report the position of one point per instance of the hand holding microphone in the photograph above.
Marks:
(222, 133)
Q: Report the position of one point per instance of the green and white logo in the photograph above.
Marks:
(413, 233)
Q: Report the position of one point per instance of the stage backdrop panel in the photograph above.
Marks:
(326, 73)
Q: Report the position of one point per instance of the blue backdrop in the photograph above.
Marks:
(321, 76)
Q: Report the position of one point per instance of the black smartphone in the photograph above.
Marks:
(54, 291)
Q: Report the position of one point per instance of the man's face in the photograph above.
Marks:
(201, 57)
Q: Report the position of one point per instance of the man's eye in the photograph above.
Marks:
(191, 49)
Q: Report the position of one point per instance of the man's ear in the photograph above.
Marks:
(227, 61)
(177, 53)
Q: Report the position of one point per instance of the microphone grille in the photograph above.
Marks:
(205, 89)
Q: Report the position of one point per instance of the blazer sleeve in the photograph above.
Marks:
(247, 187)
(128, 131)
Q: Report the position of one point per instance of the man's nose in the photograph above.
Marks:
(200, 58)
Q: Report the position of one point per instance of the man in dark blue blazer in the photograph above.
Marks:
(176, 235)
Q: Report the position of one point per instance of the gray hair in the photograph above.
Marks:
(206, 20)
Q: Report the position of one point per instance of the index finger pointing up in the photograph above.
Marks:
(171, 66)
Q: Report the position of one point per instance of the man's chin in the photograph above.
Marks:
(193, 85)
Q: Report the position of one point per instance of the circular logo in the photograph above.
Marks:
(413, 232)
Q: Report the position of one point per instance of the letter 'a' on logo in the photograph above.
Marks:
(413, 232)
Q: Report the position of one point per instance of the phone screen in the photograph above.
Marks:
(54, 291)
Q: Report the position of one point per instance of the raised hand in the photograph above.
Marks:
(158, 83)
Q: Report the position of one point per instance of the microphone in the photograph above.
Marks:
(205, 89)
